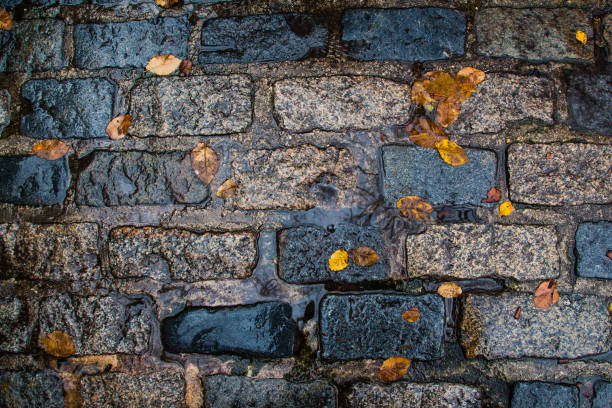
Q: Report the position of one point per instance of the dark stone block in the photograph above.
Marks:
(79, 108)
(263, 38)
(30, 180)
(5, 4)
(26, 389)
(603, 395)
(415, 34)
(5, 109)
(538, 394)
(305, 252)
(371, 326)
(263, 329)
(589, 100)
(593, 241)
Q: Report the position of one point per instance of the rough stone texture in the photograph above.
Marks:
(263, 38)
(403, 394)
(606, 23)
(536, 35)
(30, 180)
(603, 395)
(212, 105)
(17, 318)
(416, 34)
(294, 178)
(79, 108)
(166, 254)
(34, 45)
(469, 251)
(225, 391)
(504, 100)
(576, 326)
(98, 325)
(339, 103)
(56, 252)
(543, 395)
(371, 326)
(262, 329)
(589, 99)
(593, 241)
(559, 174)
(134, 178)
(27, 389)
(305, 251)
(5, 109)
(162, 389)
(410, 170)
(130, 44)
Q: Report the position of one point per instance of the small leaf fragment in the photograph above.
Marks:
(58, 344)
(448, 110)
(505, 209)
(364, 256)
(425, 132)
(471, 75)
(452, 153)
(609, 253)
(118, 127)
(204, 162)
(227, 189)
(163, 64)
(50, 149)
(546, 295)
(6, 22)
(493, 196)
(414, 207)
(338, 260)
(421, 97)
(166, 3)
(582, 37)
(449, 290)
(517, 313)
(393, 368)
(412, 314)
(186, 66)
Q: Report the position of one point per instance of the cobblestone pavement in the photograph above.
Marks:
(175, 297)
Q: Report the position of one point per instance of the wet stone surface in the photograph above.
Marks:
(263, 38)
(5, 109)
(539, 394)
(170, 254)
(371, 326)
(593, 241)
(603, 395)
(31, 389)
(225, 391)
(30, 180)
(74, 108)
(606, 22)
(575, 326)
(17, 318)
(262, 329)
(410, 170)
(559, 174)
(403, 34)
(589, 99)
(469, 251)
(139, 178)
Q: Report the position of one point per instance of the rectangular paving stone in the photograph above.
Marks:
(163, 389)
(5, 109)
(540, 394)
(560, 174)
(603, 395)
(29, 389)
(593, 241)
(550, 35)
(470, 251)
(231, 391)
(415, 34)
(17, 319)
(263, 38)
(504, 100)
(575, 326)
(405, 394)
(606, 23)
(98, 325)
(139, 178)
(294, 178)
(340, 103)
(30, 180)
(79, 108)
(371, 326)
(261, 329)
(410, 170)
(589, 98)
(55, 252)
(212, 105)
(131, 44)
(171, 254)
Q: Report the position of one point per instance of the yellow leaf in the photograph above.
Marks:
(50, 149)
(166, 3)
(338, 260)
(118, 127)
(412, 315)
(204, 162)
(448, 110)
(364, 256)
(581, 36)
(425, 132)
(449, 290)
(163, 64)
(471, 75)
(421, 97)
(505, 209)
(452, 153)
(227, 189)
(58, 344)
(414, 207)
(393, 368)
(6, 22)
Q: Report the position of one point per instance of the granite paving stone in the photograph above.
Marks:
(31, 389)
(593, 241)
(603, 395)
(17, 319)
(606, 23)
(5, 109)
(543, 395)
(589, 98)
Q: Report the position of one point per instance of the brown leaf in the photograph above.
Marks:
(393, 368)
(609, 253)
(546, 295)
(412, 314)
(364, 256)
(58, 344)
(204, 162)
(471, 75)
(421, 97)
(452, 153)
(448, 110)
(166, 3)
(449, 290)
(6, 22)
(414, 207)
(493, 196)
(118, 127)
(546, 288)
(227, 189)
(425, 132)
(163, 64)
(185, 67)
(517, 313)
(440, 85)
(50, 149)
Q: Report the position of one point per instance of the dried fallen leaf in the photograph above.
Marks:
(425, 132)
(58, 344)
(204, 162)
(610, 308)
(185, 67)
(6, 22)
(412, 314)
(517, 313)
(166, 3)
(448, 110)
(227, 189)
(393, 368)
(546, 295)
(609, 254)
(440, 84)
(163, 64)
(118, 127)
(505, 209)
(493, 196)
(422, 97)
(364, 256)
(449, 290)
(50, 149)
(581, 36)
(471, 75)
(452, 153)
(414, 207)
(338, 260)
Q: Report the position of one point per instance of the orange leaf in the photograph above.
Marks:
(118, 127)
(185, 67)
(412, 315)
(440, 84)
(166, 3)
(425, 132)
(50, 149)
(493, 196)
(517, 313)
(393, 368)
(452, 153)
(204, 162)
(546, 295)
(163, 64)
(6, 22)
(448, 110)
(364, 256)
(505, 209)
(471, 75)
(338, 260)
(414, 207)
(582, 37)
(449, 290)
(421, 97)
(227, 189)
(58, 344)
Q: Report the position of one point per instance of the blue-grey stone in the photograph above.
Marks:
(262, 329)
(30, 180)
(5, 4)
(593, 241)
(79, 108)
(372, 326)
(544, 395)
(131, 44)
(31, 389)
(5, 109)
(603, 395)
(263, 38)
(415, 34)
(589, 98)
(409, 170)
